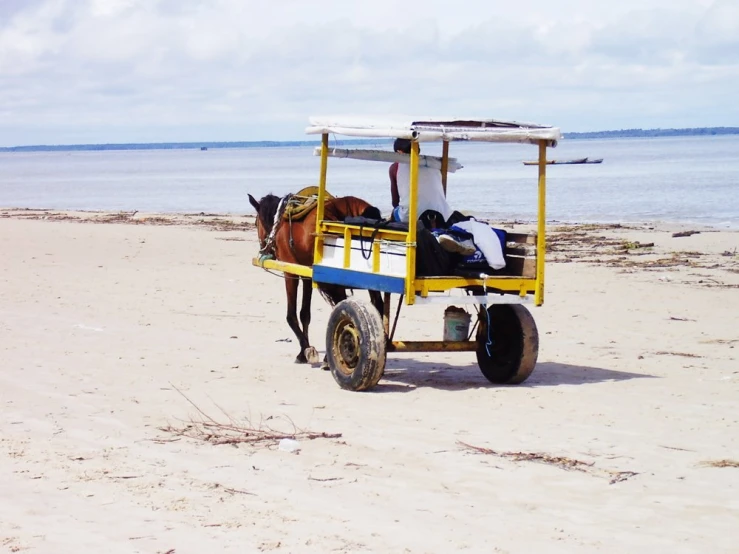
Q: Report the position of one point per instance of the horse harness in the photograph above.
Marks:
(268, 249)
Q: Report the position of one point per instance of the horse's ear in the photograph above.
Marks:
(254, 203)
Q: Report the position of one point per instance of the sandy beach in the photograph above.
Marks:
(118, 332)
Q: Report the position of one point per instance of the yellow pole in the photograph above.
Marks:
(318, 246)
(410, 270)
(433, 346)
(444, 164)
(541, 243)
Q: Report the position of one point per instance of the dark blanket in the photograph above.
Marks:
(431, 259)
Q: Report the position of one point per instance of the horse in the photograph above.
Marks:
(293, 242)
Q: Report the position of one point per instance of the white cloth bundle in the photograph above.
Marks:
(486, 240)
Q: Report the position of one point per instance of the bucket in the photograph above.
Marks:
(456, 324)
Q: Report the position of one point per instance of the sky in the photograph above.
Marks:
(115, 71)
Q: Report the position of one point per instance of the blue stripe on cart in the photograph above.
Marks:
(358, 279)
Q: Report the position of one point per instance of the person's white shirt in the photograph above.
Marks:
(430, 192)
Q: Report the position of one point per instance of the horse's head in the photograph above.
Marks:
(342, 207)
(266, 209)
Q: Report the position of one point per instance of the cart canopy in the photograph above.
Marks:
(437, 129)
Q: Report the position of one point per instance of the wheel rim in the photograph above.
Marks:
(346, 341)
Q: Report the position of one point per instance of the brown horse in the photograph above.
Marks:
(293, 242)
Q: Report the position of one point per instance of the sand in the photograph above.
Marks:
(624, 439)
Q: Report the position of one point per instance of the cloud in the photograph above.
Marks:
(717, 34)
(129, 70)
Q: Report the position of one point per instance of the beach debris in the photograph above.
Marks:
(633, 245)
(619, 476)
(720, 463)
(719, 341)
(235, 432)
(683, 354)
(212, 221)
(685, 234)
(675, 448)
(13, 544)
(288, 445)
(561, 462)
(599, 245)
(230, 490)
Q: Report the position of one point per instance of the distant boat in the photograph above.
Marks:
(203, 147)
(564, 162)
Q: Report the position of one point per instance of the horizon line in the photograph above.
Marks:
(673, 131)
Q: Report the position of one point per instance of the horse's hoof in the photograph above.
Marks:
(325, 366)
(311, 355)
(300, 359)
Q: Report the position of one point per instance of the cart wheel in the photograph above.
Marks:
(355, 345)
(507, 355)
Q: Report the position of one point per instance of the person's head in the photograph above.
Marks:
(402, 145)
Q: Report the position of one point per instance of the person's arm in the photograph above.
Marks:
(394, 185)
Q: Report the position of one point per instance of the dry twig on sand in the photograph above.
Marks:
(236, 432)
(561, 462)
(720, 463)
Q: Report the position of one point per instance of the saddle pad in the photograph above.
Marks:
(301, 203)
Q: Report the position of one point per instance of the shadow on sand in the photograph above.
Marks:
(404, 375)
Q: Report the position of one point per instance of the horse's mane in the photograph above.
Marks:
(267, 210)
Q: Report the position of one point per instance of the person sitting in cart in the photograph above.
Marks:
(431, 198)
(430, 190)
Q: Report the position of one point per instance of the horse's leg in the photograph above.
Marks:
(291, 288)
(377, 302)
(333, 294)
(310, 353)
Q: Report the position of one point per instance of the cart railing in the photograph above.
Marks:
(367, 258)
(363, 257)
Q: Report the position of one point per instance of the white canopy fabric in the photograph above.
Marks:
(385, 156)
(436, 129)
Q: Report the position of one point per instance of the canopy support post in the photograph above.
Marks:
(541, 225)
(444, 164)
(318, 246)
(410, 271)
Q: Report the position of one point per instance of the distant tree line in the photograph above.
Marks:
(182, 145)
(622, 133)
(639, 133)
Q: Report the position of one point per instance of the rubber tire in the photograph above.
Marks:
(360, 364)
(515, 344)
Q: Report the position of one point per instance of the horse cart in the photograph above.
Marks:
(384, 259)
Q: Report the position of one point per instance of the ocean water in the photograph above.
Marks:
(674, 180)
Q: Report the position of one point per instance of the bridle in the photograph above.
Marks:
(268, 245)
